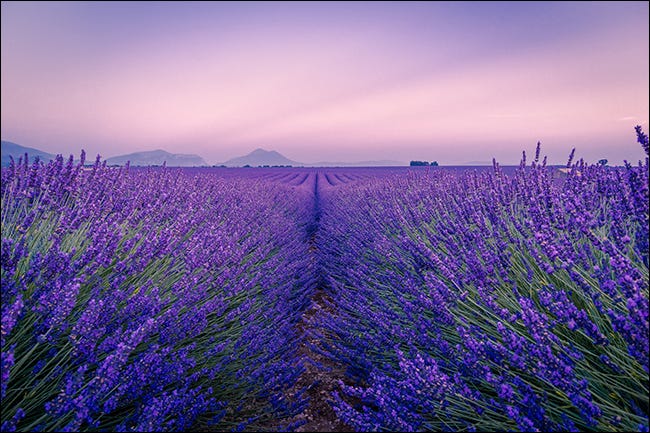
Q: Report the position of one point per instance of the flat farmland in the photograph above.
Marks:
(365, 299)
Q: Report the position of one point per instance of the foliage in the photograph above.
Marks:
(482, 301)
(172, 299)
(148, 299)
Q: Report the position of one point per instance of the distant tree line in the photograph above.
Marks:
(424, 163)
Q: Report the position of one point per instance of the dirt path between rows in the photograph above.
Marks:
(321, 375)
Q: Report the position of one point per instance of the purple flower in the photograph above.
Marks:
(642, 138)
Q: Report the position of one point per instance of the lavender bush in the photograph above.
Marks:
(148, 300)
(482, 301)
(172, 299)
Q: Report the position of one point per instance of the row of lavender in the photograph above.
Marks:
(482, 301)
(149, 300)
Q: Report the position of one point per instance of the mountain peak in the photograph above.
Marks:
(261, 157)
(260, 151)
(157, 157)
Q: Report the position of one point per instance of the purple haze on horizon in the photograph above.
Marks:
(453, 82)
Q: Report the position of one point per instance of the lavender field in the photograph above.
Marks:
(450, 299)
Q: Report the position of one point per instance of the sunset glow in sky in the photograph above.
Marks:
(453, 82)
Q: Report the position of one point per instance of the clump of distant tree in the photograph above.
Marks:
(424, 163)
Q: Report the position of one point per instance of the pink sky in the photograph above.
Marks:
(454, 82)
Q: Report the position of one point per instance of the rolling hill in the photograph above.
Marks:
(157, 157)
(9, 150)
(261, 157)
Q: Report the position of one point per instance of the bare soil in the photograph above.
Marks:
(320, 381)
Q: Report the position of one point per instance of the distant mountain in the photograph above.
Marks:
(261, 157)
(271, 157)
(157, 157)
(9, 149)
